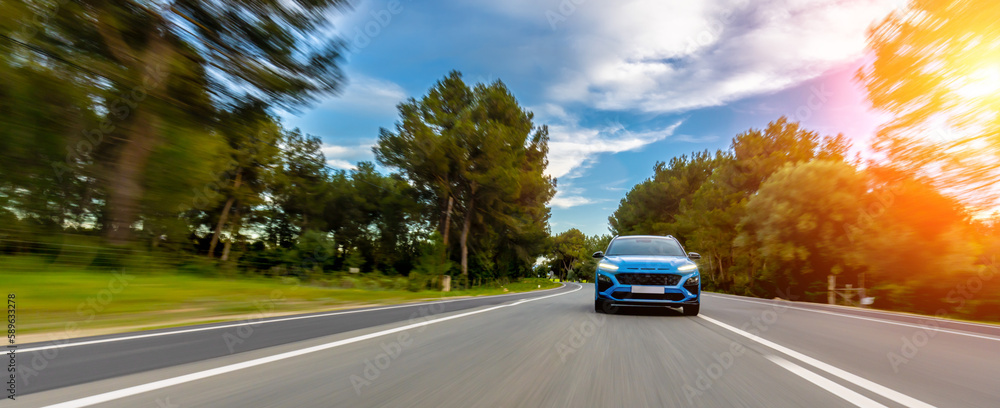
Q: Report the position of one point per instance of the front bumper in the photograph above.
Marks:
(610, 289)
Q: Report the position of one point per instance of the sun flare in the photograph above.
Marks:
(981, 83)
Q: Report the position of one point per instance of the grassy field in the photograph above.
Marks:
(55, 302)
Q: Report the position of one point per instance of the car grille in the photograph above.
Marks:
(647, 296)
(657, 279)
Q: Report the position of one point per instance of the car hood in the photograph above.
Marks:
(638, 262)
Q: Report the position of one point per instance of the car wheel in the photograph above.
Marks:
(604, 306)
(692, 310)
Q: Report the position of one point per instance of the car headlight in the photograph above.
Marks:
(607, 266)
(694, 280)
(688, 267)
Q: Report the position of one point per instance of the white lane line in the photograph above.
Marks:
(856, 309)
(834, 388)
(139, 389)
(244, 323)
(872, 319)
(879, 389)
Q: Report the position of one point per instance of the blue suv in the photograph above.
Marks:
(647, 270)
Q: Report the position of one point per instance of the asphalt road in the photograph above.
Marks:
(545, 349)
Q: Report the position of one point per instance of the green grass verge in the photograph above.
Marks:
(62, 301)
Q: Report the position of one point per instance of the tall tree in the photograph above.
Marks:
(799, 221)
(588, 267)
(297, 193)
(702, 199)
(523, 226)
(44, 110)
(387, 206)
(477, 151)
(149, 63)
(650, 206)
(569, 251)
(424, 145)
(253, 137)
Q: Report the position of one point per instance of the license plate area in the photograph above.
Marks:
(647, 289)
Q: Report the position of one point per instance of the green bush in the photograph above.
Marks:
(349, 282)
(892, 296)
(417, 282)
(198, 267)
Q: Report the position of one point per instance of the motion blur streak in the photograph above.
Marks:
(111, 396)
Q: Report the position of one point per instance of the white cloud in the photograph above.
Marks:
(673, 56)
(616, 186)
(341, 164)
(568, 196)
(343, 157)
(573, 148)
(562, 200)
(367, 95)
(695, 139)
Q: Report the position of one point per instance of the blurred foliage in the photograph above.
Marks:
(643, 206)
(783, 209)
(147, 131)
(192, 293)
(796, 223)
(143, 136)
(570, 255)
(569, 251)
(936, 70)
(702, 200)
(126, 96)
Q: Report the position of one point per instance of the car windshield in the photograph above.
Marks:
(645, 246)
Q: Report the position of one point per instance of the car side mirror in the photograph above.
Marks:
(694, 255)
(598, 255)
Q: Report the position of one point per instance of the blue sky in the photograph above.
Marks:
(621, 84)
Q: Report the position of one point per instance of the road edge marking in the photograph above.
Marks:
(139, 389)
(836, 389)
(872, 386)
(872, 319)
(239, 323)
(859, 309)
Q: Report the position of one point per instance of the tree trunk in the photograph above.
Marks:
(446, 227)
(125, 188)
(225, 250)
(465, 231)
(125, 194)
(225, 214)
(232, 235)
(447, 221)
(722, 269)
(465, 239)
